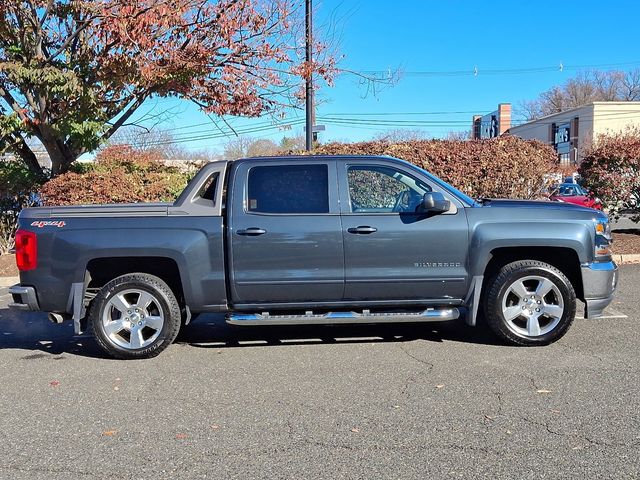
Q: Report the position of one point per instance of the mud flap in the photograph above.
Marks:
(473, 300)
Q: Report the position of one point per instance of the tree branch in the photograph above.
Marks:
(125, 116)
(26, 154)
(45, 14)
(15, 106)
(72, 37)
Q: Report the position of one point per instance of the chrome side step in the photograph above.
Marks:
(331, 318)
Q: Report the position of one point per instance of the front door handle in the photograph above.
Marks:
(362, 230)
(252, 232)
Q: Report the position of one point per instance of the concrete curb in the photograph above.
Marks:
(628, 258)
(9, 281)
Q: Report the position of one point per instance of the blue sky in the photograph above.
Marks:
(446, 36)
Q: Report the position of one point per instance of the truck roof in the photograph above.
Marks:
(315, 157)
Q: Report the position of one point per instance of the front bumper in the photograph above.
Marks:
(24, 298)
(599, 281)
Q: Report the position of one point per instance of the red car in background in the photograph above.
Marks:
(574, 193)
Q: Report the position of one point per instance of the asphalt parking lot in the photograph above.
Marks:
(434, 401)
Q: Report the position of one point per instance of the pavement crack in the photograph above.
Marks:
(404, 391)
(577, 436)
(421, 361)
(490, 416)
(301, 439)
(534, 384)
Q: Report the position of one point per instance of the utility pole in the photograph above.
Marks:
(309, 87)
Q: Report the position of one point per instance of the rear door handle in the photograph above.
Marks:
(252, 232)
(362, 230)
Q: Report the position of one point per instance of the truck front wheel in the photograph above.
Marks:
(530, 303)
(135, 316)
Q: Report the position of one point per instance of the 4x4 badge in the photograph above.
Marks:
(43, 223)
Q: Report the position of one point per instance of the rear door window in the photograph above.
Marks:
(288, 189)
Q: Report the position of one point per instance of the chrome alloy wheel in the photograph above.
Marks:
(133, 319)
(532, 306)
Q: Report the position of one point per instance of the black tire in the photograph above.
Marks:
(164, 301)
(511, 331)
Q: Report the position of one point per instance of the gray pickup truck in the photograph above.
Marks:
(313, 240)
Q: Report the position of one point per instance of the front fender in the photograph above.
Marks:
(485, 237)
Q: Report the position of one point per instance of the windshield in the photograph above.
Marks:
(571, 190)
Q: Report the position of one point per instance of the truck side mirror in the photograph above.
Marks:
(435, 202)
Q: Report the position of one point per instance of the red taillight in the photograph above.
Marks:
(26, 250)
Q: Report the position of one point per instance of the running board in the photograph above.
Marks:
(331, 318)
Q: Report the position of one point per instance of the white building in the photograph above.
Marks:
(573, 131)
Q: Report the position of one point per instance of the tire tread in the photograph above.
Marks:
(492, 304)
(172, 317)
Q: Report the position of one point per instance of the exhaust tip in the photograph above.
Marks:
(56, 318)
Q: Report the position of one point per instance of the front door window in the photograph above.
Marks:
(374, 189)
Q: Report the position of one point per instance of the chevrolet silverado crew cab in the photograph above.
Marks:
(313, 240)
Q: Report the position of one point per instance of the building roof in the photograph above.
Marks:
(590, 104)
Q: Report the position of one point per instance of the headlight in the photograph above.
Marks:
(603, 238)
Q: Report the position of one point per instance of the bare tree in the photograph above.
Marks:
(459, 135)
(630, 86)
(585, 87)
(262, 147)
(292, 143)
(402, 135)
(242, 147)
(162, 143)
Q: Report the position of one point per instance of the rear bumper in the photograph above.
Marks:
(599, 280)
(24, 298)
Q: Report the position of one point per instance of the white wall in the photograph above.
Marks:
(593, 120)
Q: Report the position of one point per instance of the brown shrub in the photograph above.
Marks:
(502, 167)
(120, 174)
(611, 170)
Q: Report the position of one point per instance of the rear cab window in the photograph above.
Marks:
(288, 189)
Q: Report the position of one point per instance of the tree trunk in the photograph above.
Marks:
(61, 158)
(22, 150)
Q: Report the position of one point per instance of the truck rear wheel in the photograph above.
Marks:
(530, 303)
(135, 316)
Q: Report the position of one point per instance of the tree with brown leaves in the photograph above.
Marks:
(72, 72)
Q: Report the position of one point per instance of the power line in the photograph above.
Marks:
(213, 136)
(477, 71)
(467, 112)
(629, 115)
(364, 124)
(340, 114)
(228, 131)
